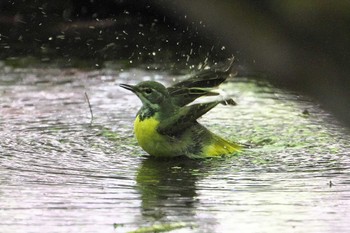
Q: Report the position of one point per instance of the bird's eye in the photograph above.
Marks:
(148, 91)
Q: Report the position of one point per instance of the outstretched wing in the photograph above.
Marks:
(201, 84)
(184, 118)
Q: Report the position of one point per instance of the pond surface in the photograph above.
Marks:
(60, 172)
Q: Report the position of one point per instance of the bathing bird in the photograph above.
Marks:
(166, 125)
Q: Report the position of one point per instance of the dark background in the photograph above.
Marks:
(299, 45)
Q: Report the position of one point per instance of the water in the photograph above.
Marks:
(60, 172)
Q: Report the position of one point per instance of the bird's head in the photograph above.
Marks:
(151, 93)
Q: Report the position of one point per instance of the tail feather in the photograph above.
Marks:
(220, 146)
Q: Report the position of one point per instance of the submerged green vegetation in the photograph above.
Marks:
(160, 227)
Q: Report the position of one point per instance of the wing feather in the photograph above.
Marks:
(184, 117)
(200, 84)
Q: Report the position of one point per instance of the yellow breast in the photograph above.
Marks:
(151, 141)
(165, 146)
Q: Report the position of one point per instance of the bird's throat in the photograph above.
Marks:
(145, 113)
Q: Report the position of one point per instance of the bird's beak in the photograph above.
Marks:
(129, 87)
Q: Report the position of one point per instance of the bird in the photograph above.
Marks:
(166, 126)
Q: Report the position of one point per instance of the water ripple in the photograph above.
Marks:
(60, 172)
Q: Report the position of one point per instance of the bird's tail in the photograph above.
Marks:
(220, 146)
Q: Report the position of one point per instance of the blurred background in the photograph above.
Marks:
(298, 45)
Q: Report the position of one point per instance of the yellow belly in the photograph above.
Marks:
(151, 141)
(165, 146)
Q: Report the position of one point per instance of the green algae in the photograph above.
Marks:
(163, 227)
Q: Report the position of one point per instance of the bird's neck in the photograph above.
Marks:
(163, 110)
(146, 112)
